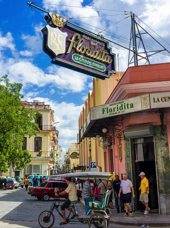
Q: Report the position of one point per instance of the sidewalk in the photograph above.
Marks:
(138, 218)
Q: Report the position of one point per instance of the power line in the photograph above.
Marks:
(91, 8)
(120, 38)
(152, 30)
(99, 16)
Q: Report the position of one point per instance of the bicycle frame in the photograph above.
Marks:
(56, 207)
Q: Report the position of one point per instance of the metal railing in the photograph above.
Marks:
(45, 154)
(46, 127)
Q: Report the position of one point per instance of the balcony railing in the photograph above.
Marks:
(46, 154)
(46, 127)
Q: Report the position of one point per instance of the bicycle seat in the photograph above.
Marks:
(74, 202)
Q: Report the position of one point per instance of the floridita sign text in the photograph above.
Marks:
(121, 107)
(77, 49)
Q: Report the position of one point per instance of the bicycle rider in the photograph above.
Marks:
(72, 196)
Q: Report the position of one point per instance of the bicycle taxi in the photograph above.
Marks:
(99, 214)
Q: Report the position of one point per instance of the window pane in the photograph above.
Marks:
(56, 185)
(24, 147)
(36, 169)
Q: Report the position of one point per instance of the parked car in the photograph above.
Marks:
(9, 183)
(46, 190)
(30, 178)
(16, 184)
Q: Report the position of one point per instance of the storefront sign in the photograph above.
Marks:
(77, 49)
(121, 107)
(160, 100)
(74, 155)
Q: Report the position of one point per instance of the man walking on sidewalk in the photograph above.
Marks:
(144, 188)
(116, 186)
(126, 187)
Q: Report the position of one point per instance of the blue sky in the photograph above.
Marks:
(22, 58)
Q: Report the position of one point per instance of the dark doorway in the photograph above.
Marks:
(144, 160)
(111, 159)
(17, 173)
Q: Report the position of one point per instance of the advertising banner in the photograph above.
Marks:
(160, 100)
(79, 50)
(121, 107)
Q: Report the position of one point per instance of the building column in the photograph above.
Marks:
(168, 134)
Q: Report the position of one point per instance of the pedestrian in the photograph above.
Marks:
(44, 179)
(78, 183)
(97, 192)
(103, 186)
(110, 187)
(92, 183)
(116, 186)
(41, 179)
(72, 197)
(34, 181)
(26, 182)
(126, 187)
(144, 191)
(87, 194)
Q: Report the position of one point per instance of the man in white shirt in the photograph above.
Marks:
(126, 187)
(72, 196)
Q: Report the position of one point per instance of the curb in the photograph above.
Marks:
(134, 223)
(140, 224)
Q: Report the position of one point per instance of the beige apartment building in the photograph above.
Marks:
(73, 153)
(44, 142)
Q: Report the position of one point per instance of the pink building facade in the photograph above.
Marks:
(135, 127)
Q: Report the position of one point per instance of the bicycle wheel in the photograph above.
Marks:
(46, 219)
(97, 221)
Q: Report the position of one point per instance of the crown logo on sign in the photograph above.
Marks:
(57, 20)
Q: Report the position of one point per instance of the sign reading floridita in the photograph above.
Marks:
(78, 49)
(121, 107)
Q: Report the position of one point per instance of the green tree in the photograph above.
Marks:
(16, 121)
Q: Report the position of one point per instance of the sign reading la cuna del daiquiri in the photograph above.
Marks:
(77, 49)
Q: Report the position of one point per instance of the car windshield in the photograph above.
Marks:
(9, 180)
(29, 177)
(43, 184)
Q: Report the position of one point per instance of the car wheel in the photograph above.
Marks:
(39, 197)
(16, 187)
(46, 197)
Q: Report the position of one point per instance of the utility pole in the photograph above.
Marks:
(133, 32)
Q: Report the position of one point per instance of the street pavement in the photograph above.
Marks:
(20, 210)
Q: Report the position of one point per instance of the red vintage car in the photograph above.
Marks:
(46, 190)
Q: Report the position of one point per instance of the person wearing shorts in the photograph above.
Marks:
(126, 187)
(144, 188)
(72, 196)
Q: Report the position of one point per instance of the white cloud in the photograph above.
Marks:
(7, 42)
(90, 85)
(52, 91)
(156, 14)
(84, 97)
(34, 43)
(26, 53)
(130, 2)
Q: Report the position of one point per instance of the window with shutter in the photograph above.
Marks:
(24, 147)
(37, 144)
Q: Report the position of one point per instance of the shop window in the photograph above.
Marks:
(36, 169)
(24, 147)
(37, 144)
